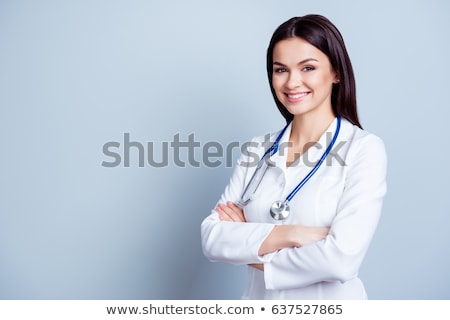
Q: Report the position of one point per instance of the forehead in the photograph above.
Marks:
(296, 49)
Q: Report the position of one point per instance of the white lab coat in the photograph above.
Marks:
(347, 197)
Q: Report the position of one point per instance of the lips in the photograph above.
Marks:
(296, 96)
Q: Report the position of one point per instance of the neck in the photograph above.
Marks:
(309, 128)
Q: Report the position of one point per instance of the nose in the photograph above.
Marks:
(294, 80)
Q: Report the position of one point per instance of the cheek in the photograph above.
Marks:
(277, 83)
(323, 82)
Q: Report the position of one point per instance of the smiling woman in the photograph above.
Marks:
(314, 247)
(302, 80)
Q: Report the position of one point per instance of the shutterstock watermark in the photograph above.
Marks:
(210, 154)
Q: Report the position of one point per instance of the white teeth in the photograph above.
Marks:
(297, 95)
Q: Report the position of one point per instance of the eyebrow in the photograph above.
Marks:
(301, 62)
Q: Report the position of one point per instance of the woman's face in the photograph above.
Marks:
(302, 77)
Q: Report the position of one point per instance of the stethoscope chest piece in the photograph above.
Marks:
(280, 210)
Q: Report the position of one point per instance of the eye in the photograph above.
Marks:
(308, 68)
(280, 70)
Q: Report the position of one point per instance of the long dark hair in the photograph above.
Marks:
(321, 33)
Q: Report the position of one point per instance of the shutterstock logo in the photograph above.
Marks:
(177, 152)
(190, 152)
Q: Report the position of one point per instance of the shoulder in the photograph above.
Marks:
(362, 143)
(260, 143)
(269, 136)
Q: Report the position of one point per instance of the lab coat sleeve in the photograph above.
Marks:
(234, 242)
(339, 256)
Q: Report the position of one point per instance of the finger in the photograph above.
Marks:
(233, 214)
(219, 212)
(258, 266)
(237, 211)
(224, 213)
(233, 205)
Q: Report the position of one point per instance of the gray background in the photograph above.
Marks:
(77, 74)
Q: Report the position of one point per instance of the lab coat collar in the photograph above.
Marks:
(311, 156)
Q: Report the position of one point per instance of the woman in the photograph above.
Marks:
(329, 169)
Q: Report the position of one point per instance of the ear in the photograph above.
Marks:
(337, 78)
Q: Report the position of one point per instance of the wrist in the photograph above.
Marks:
(291, 237)
(294, 238)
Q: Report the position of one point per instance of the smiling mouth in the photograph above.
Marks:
(296, 96)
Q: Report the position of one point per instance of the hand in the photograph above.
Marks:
(303, 235)
(230, 212)
(288, 236)
(258, 266)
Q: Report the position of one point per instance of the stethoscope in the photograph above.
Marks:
(280, 209)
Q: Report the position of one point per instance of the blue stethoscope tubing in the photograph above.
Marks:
(258, 174)
(280, 209)
(321, 160)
